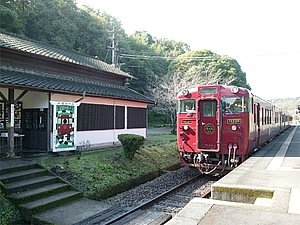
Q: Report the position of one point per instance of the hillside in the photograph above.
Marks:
(288, 104)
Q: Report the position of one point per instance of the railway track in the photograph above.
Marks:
(156, 210)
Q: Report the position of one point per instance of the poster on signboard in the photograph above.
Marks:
(64, 126)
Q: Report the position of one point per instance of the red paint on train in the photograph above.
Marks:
(219, 127)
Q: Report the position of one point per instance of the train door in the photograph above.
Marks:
(257, 125)
(208, 125)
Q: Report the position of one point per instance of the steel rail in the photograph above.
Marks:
(151, 201)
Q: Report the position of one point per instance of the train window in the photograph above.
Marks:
(262, 116)
(187, 106)
(235, 104)
(209, 109)
(254, 111)
(276, 117)
(252, 105)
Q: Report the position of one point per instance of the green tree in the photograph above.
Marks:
(53, 22)
(170, 48)
(95, 32)
(141, 60)
(146, 57)
(206, 62)
(88, 31)
(10, 20)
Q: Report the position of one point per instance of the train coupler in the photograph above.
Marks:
(232, 160)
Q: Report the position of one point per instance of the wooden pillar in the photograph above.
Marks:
(49, 122)
(11, 120)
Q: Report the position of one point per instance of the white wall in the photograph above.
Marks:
(31, 99)
(35, 100)
(99, 137)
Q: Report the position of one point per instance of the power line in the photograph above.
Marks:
(154, 57)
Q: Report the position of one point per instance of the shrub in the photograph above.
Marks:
(131, 143)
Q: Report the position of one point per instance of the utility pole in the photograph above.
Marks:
(115, 51)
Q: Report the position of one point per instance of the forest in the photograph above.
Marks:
(159, 64)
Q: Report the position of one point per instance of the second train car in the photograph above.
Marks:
(219, 127)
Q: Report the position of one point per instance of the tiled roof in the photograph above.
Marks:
(41, 49)
(57, 83)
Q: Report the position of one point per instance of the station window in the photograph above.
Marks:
(95, 117)
(136, 117)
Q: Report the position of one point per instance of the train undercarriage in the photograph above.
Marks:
(212, 163)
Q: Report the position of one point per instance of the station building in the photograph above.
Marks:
(59, 100)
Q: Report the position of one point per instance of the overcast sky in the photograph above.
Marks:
(262, 35)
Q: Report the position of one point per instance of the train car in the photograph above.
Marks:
(219, 127)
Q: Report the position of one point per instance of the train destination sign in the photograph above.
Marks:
(233, 121)
(187, 122)
(208, 91)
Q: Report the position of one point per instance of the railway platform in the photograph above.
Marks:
(265, 189)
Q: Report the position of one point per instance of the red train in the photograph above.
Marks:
(219, 127)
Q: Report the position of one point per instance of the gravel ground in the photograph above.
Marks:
(152, 188)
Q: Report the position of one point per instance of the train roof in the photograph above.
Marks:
(228, 91)
(224, 90)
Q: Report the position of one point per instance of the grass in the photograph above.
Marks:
(8, 213)
(99, 171)
(162, 138)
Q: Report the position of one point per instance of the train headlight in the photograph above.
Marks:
(185, 127)
(234, 127)
(234, 90)
(185, 92)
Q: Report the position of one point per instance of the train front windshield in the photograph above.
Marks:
(235, 104)
(187, 106)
